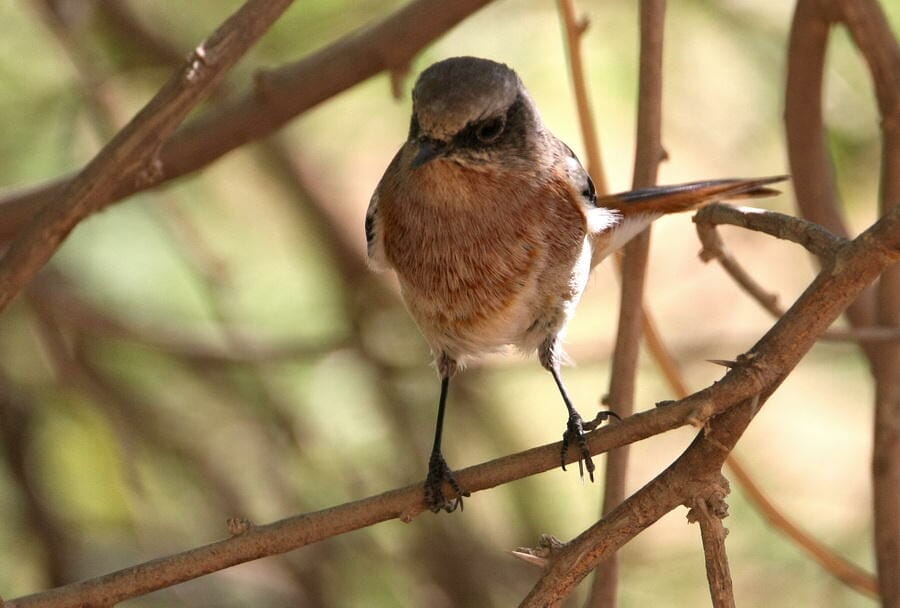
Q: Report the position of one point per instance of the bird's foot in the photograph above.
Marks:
(576, 434)
(438, 473)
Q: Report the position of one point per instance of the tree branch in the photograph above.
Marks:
(842, 569)
(808, 155)
(278, 96)
(131, 157)
(709, 510)
(575, 28)
(812, 236)
(648, 154)
(762, 369)
(807, 151)
(857, 264)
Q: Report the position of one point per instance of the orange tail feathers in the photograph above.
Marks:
(684, 197)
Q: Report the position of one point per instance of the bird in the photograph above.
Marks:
(492, 227)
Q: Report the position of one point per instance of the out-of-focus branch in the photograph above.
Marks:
(278, 96)
(845, 571)
(132, 155)
(575, 28)
(649, 153)
(768, 363)
(16, 422)
(810, 161)
(871, 32)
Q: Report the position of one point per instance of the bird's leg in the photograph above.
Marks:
(438, 471)
(576, 427)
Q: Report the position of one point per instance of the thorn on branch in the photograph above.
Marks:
(541, 555)
(723, 362)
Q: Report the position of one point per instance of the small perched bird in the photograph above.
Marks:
(492, 226)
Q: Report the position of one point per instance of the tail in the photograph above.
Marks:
(660, 200)
(638, 208)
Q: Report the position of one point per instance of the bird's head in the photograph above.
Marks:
(474, 112)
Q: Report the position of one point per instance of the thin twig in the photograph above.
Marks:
(795, 229)
(813, 237)
(849, 573)
(575, 29)
(834, 564)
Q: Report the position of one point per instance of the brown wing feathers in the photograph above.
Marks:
(684, 197)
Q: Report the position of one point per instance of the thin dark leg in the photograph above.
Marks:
(438, 471)
(575, 429)
(442, 406)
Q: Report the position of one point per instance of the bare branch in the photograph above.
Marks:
(762, 370)
(575, 28)
(278, 96)
(872, 34)
(849, 573)
(131, 156)
(810, 161)
(709, 510)
(648, 154)
(764, 367)
(811, 236)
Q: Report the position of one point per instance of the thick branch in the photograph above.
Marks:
(279, 95)
(131, 157)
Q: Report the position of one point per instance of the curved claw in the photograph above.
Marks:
(576, 433)
(438, 473)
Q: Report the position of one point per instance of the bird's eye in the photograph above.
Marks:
(490, 130)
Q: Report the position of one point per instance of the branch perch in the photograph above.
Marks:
(763, 369)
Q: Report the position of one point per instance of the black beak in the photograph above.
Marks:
(429, 149)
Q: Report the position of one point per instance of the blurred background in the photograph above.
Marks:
(216, 348)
